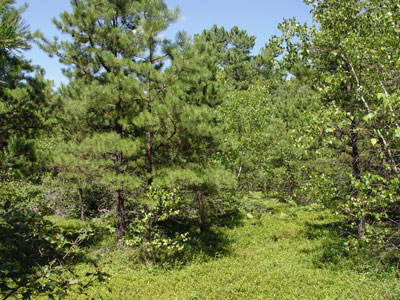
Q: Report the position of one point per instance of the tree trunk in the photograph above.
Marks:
(202, 222)
(149, 159)
(361, 230)
(149, 141)
(80, 195)
(120, 204)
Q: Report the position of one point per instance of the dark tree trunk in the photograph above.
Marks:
(149, 159)
(202, 221)
(120, 202)
(149, 141)
(357, 174)
(80, 195)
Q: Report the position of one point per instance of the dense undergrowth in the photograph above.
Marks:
(287, 253)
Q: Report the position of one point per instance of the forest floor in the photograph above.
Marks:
(288, 253)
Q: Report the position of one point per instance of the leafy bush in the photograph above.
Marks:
(23, 194)
(378, 203)
(61, 196)
(148, 231)
(37, 257)
(254, 203)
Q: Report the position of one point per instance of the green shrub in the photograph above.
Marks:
(148, 232)
(37, 257)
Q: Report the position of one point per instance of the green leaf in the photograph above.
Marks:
(397, 133)
(369, 117)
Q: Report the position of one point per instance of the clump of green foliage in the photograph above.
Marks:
(37, 257)
(148, 232)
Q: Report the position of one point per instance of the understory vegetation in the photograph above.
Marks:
(287, 253)
(195, 169)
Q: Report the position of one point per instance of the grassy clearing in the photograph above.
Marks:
(290, 253)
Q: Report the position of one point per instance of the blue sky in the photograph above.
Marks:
(259, 17)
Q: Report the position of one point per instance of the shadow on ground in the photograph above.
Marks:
(330, 242)
(213, 243)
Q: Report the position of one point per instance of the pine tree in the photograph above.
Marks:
(113, 61)
(191, 156)
(25, 108)
(233, 55)
(132, 116)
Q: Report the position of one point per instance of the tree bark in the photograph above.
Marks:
(149, 159)
(149, 140)
(149, 137)
(202, 221)
(120, 203)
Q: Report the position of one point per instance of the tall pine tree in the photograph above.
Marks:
(136, 118)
